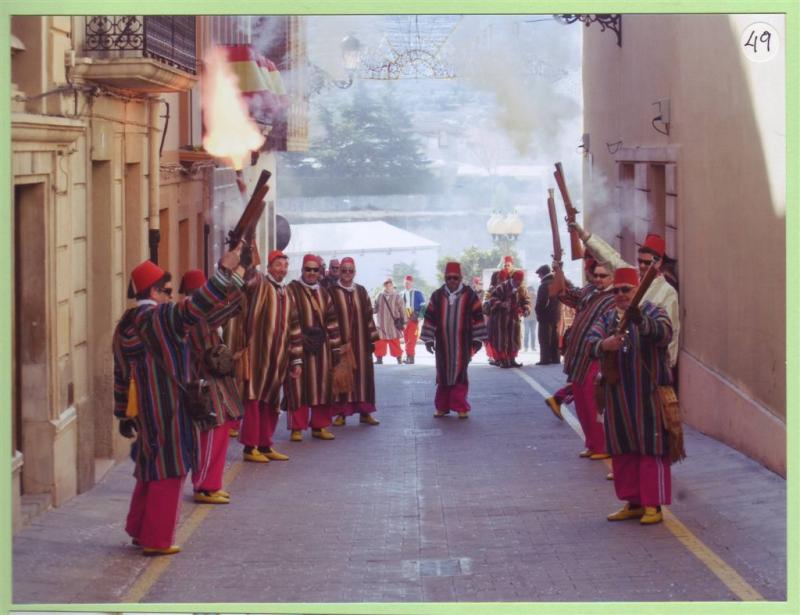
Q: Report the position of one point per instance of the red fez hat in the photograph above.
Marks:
(275, 254)
(192, 280)
(452, 268)
(347, 259)
(311, 258)
(508, 259)
(626, 276)
(409, 278)
(654, 243)
(518, 276)
(144, 276)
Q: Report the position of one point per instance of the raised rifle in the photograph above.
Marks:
(559, 283)
(608, 363)
(245, 229)
(576, 248)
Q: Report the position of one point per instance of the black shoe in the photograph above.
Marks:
(541, 363)
(379, 361)
(514, 364)
(399, 360)
(493, 362)
(409, 360)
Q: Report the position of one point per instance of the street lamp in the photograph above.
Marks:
(505, 229)
(351, 57)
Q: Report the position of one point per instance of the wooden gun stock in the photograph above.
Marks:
(245, 228)
(559, 284)
(576, 247)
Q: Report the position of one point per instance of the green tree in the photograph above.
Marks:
(474, 260)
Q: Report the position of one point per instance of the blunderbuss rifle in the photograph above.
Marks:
(576, 248)
(608, 362)
(558, 284)
(245, 229)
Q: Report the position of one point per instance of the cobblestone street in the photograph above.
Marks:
(498, 507)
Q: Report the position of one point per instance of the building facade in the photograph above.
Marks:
(686, 138)
(106, 125)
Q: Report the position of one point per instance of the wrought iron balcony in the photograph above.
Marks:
(150, 53)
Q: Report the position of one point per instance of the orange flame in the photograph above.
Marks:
(230, 131)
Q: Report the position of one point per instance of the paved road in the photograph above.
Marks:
(494, 508)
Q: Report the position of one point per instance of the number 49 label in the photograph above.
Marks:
(760, 42)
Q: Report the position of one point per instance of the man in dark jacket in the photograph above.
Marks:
(548, 312)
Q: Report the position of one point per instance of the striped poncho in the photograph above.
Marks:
(589, 303)
(166, 436)
(357, 328)
(507, 305)
(270, 332)
(633, 422)
(315, 309)
(453, 321)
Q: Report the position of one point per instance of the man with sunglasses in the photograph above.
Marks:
(268, 335)
(147, 400)
(589, 302)
(358, 333)
(635, 434)
(453, 329)
(661, 292)
(309, 397)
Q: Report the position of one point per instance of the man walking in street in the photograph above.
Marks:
(453, 329)
(308, 398)
(508, 304)
(635, 433)
(358, 333)
(389, 310)
(204, 338)
(151, 358)
(413, 302)
(268, 336)
(548, 313)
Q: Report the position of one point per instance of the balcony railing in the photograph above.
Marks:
(168, 39)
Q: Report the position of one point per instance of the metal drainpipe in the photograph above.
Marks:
(153, 146)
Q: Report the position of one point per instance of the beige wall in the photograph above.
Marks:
(727, 140)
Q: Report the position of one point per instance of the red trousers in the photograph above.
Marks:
(642, 479)
(259, 424)
(564, 394)
(213, 448)
(410, 335)
(452, 398)
(586, 408)
(393, 345)
(489, 351)
(154, 512)
(299, 419)
(351, 408)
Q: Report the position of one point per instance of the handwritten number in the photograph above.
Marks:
(765, 38)
(753, 40)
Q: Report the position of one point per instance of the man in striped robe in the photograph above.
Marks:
(147, 399)
(268, 335)
(225, 397)
(589, 302)
(309, 397)
(508, 304)
(635, 433)
(453, 328)
(358, 333)
(498, 277)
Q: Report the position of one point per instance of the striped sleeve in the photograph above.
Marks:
(332, 323)
(479, 331)
(428, 333)
(655, 325)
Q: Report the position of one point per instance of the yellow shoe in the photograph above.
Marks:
(275, 455)
(340, 421)
(156, 551)
(555, 407)
(585, 453)
(322, 434)
(222, 493)
(463, 415)
(255, 456)
(651, 515)
(596, 456)
(368, 419)
(439, 413)
(626, 512)
(610, 476)
(297, 436)
(206, 497)
(233, 433)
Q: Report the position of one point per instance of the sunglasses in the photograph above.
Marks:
(165, 291)
(602, 276)
(622, 289)
(452, 277)
(311, 269)
(645, 262)
(347, 270)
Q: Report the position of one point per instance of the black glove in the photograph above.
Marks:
(634, 315)
(476, 346)
(429, 347)
(127, 428)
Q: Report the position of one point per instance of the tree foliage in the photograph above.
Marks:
(474, 260)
